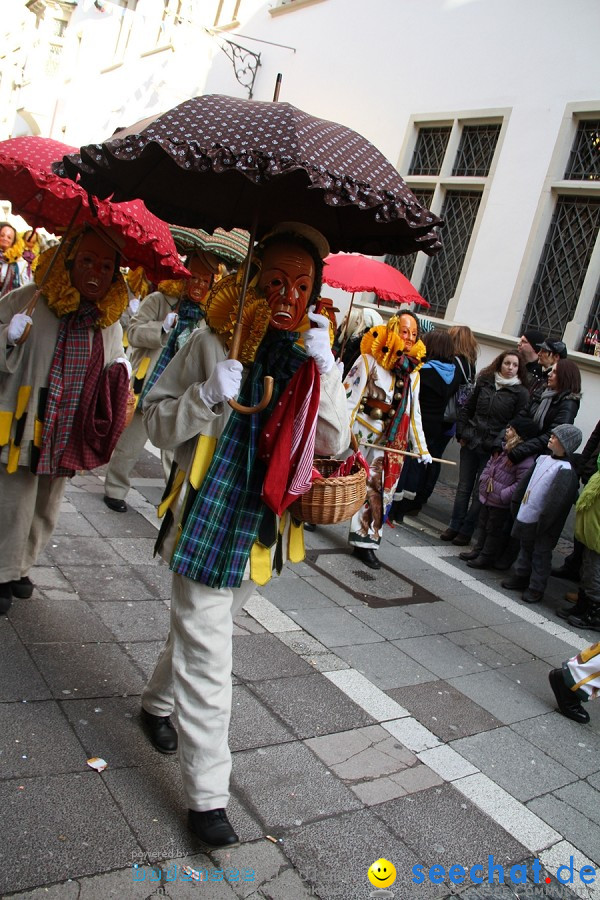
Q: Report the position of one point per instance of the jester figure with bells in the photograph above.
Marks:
(63, 392)
(382, 389)
(163, 323)
(226, 527)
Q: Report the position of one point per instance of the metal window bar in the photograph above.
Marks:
(592, 326)
(406, 264)
(563, 265)
(584, 161)
(430, 150)
(443, 270)
(476, 150)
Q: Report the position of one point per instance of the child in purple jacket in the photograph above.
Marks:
(496, 487)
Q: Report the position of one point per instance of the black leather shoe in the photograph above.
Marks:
(567, 702)
(515, 583)
(23, 588)
(5, 597)
(367, 557)
(481, 562)
(468, 555)
(160, 731)
(566, 572)
(213, 828)
(115, 505)
(589, 620)
(309, 526)
(530, 596)
(461, 540)
(448, 535)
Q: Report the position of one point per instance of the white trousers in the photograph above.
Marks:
(29, 507)
(193, 677)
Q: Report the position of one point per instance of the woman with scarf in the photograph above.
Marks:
(558, 404)
(13, 268)
(226, 526)
(382, 390)
(62, 402)
(500, 395)
(162, 325)
(438, 380)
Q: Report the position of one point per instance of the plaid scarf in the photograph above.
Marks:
(189, 315)
(226, 513)
(11, 279)
(67, 376)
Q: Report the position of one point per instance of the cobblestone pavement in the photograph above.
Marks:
(403, 714)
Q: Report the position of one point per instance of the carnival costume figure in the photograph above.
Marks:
(162, 324)
(226, 525)
(62, 402)
(382, 390)
(13, 268)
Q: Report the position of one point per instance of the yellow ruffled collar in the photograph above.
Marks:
(63, 298)
(387, 348)
(16, 251)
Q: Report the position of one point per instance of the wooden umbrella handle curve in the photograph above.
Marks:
(28, 310)
(266, 399)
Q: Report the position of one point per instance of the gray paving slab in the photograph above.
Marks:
(489, 647)
(78, 827)
(441, 827)
(86, 670)
(117, 885)
(335, 627)
(259, 869)
(289, 786)
(444, 710)
(144, 654)
(533, 676)
(247, 624)
(50, 619)
(391, 622)
(582, 795)
(440, 655)
(137, 550)
(74, 525)
(507, 701)
(106, 583)
(295, 593)
(331, 589)
(111, 524)
(385, 664)
(443, 617)
(129, 620)
(362, 754)
(34, 741)
(311, 705)
(159, 579)
(574, 825)
(51, 577)
(20, 679)
(481, 608)
(348, 571)
(334, 855)
(68, 890)
(514, 763)
(576, 748)
(110, 727)
(263, 656)
(82, 551)
(212, 881)
(252, 724)
(540, 643)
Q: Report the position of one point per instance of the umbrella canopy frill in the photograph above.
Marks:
(356, 273)
(229, 245)
(48, 201)
(221, 161)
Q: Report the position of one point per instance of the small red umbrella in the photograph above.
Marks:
(48, 201)
(355, 272)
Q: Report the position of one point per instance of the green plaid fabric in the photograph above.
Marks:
(226, 513)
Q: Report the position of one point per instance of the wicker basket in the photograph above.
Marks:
(331, 500)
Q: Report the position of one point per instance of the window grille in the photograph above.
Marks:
(443, 270)
(476, 150)
(592, 326)
(562, 269)
(584, 162)
(429, 151)
(406, 264)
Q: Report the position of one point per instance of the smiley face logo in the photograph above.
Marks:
(381, 873)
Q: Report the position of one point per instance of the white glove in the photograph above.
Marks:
(425, 459)
(317, 343)
(340, 366)
(170, 320)
(17, 326)
(134, 305)
(224, 382)
(124, 362)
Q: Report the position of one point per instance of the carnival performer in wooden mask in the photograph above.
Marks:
(163, 323)
(226, 526)
(62, 402)
(382, 389)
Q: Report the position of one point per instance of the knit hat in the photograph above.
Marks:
(569, 436)
(525, 427)
(534, 337)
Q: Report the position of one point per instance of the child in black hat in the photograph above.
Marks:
(497, 485)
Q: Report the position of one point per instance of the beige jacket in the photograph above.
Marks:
(145, 334)
(28, 364)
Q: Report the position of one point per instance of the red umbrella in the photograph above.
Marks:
(354, 272)
(46, 200)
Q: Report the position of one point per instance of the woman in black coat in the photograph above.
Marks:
(500, 395)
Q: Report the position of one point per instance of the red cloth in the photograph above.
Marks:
(100, 417)
(287, 441)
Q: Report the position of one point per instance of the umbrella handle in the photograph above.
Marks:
(268, 381)
(28, 310)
